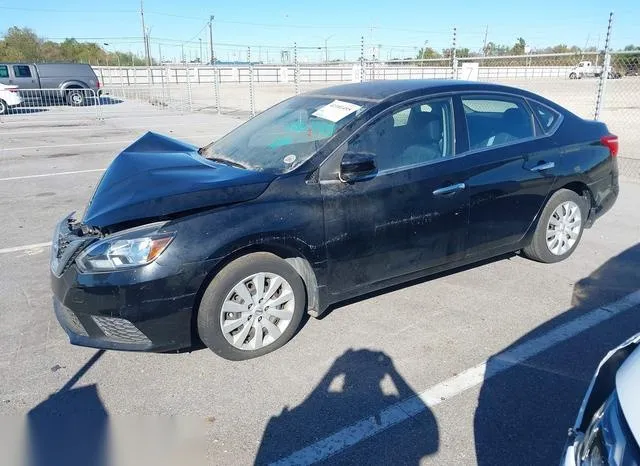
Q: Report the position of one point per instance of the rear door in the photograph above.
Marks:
(24, 76)
(511, 168)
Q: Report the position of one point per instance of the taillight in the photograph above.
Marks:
(98, 84)
(611, 142)
(13, 90)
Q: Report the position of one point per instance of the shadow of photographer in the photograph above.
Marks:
(359, 382)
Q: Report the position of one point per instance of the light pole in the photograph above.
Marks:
(200, 59)
(326, 48)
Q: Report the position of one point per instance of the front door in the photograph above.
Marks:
(412, 214)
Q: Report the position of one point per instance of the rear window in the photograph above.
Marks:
(21, 71)
(547, 117)
(4, 71)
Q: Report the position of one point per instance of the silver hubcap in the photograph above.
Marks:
(564, 228)
(257, 311)
(76, 98)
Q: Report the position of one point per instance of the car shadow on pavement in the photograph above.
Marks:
(359, 383)
(70, 427)
(524, 413)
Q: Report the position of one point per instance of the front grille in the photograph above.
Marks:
(120, 329)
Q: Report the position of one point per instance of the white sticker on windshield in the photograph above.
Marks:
(289, 159)
(336, 110)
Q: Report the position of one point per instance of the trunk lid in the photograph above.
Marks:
(157, 176)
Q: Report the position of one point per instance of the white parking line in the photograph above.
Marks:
(366, 428)
(25, 177)
(25, 248)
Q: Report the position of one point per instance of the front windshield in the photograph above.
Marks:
(285, 136)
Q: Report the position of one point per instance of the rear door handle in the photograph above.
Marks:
(543, 166)
(449, 189)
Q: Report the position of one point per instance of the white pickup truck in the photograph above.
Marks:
(587, 69)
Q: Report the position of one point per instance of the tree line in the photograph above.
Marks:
(24, 45)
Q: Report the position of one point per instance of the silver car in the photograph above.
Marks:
(607, 430)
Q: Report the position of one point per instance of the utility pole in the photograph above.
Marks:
(182, 59)
(211, 37)
(484, 45)
(145, 36)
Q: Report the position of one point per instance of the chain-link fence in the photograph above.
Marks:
(602, 84)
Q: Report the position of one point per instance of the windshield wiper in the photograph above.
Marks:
(227, 162)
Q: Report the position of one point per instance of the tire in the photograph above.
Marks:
(220, 297)
(539, 249)
(76, 98)
(4, 108)
(573, 76)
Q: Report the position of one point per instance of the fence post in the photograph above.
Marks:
(454, 60)
(251, 95)
(162, 71)
(296, 68)
(362, 75)
(605, 71)
(216, 87)
(189, 88)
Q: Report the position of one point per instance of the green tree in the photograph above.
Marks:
(518, 48)
(426, 53)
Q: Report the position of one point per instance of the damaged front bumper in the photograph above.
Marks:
(148, 308)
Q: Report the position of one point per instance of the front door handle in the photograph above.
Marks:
(543, 166)
(449, 189)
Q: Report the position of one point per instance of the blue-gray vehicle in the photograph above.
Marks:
(73, 83)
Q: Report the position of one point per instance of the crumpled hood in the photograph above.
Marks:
(628, 388)
(157, 176)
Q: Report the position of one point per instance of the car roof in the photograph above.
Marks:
(378, 91)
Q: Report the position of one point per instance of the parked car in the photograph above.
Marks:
(588, 69)
(607, 429)
(9, 97)
(323, 197)
(73, 83)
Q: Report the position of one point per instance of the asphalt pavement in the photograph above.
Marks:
(485, 365)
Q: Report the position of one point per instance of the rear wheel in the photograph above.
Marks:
(573, 76)
(4, 108)
(559, 229)
(76, 97)
(251, 307)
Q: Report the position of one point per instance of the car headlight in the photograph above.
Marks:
(131, 249)
(608, 440)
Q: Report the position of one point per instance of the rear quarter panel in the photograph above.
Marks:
(582, 157)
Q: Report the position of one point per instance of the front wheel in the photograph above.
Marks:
(4, 108)
(573, 76)
(251, 307)
(559, 229)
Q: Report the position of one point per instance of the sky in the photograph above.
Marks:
(390, 29)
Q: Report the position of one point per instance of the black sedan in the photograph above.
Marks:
(323, 197)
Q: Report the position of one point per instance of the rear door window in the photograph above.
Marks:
(4, 71)
(21, 71)
(496, 120)
(547, 117)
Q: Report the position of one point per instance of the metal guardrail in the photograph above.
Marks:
(84, 101)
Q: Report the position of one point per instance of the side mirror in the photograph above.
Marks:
(356, 166)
